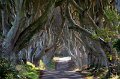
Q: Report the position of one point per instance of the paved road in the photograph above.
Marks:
(62, 70)
(61, 75)
(64, 64)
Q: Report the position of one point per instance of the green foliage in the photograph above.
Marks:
(42, 65)
(27, 71)
(104, 33)
(94, 35)
(7, 70)
(111, 14)
(111, 28)
(51, 65)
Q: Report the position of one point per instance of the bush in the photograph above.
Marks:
(27, 71)
(24, 71)
(7, 70)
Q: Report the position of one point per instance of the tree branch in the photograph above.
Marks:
(73, 25)
(33, 28)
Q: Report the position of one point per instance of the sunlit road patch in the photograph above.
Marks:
(62, 59)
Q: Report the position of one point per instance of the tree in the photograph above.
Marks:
(86, 29)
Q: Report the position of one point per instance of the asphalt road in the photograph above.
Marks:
(61, 75)
(62, 71)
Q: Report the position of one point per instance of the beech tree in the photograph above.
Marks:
(37, 29)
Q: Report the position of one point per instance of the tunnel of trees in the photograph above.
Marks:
(86, 30)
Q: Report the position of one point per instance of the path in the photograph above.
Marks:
(61, 75)
(62, 71)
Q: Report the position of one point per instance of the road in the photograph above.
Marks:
(62, 70)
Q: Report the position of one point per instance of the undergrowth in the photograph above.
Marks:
(24, 71)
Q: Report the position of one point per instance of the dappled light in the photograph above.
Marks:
(59, 39)
(61, 59)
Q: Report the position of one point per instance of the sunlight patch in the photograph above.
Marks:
(62, 59)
